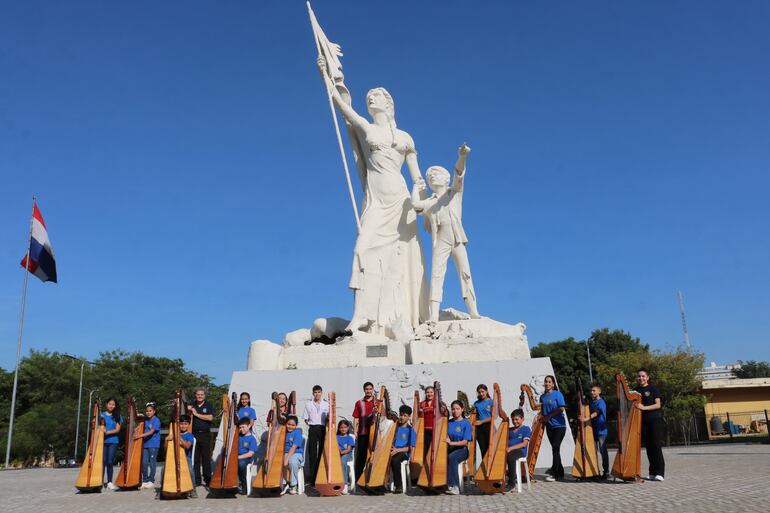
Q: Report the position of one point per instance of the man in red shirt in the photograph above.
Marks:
(363, 414)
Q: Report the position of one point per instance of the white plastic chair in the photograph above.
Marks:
(461, 468)
(406, 477)
(519, 463)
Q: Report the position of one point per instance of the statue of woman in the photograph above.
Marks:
(388, 276)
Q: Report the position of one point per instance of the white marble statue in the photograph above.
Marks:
(388, 276)
(443, 213)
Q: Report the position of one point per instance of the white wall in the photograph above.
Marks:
(401, 382)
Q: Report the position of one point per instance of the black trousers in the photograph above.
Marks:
(511, 458)
(202, 457)
(653, 432)
(426, 441)
(395, 468)
(362, 448)
(555, 436)
(313, 452)
(482, 438)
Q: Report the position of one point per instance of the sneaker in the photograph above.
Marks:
(293, 490)
(111, 486)
(453, 490)
(193, 494)
(658, 478)
(398, 490)
(345, 490)
(550, 479)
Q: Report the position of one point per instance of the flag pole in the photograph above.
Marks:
(21, 330)
(329, 85)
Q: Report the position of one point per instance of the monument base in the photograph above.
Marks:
(401, 381)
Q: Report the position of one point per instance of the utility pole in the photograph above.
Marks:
(684, 320)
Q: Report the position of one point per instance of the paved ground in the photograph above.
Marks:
(717, 478)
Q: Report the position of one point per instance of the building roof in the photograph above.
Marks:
(735, 383)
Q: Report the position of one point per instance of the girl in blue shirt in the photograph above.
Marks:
(346, 443)
(150, 447)
(552, 409)
(245, 411)
(458, 435)
(483, 406)
(112, 421)
(293, 453)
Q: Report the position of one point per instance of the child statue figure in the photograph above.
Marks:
(443, 217)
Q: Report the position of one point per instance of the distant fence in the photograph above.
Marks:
(700, 428)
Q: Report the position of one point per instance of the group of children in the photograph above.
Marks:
(459, 435)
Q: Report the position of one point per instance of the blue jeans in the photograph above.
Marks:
(295, 462)
(601, 442)
(109, 459)
(149, 463)
(242, 466)
(345, 459)
(453, 460)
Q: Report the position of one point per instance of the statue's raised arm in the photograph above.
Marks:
(351, 116)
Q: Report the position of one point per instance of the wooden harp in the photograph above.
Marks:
(433, 475)
(330, 479)
(224, 479)
(470, 412)
(418, 454)
(584, 464)
(177, 481)
(130, 473)
(628, 458)
(538, 428)
(90, 477)
(376, 472)
(490, 476)
(269, 473)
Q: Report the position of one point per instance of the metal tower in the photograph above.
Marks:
(684, 320)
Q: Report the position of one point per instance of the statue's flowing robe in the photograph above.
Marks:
(388, 270)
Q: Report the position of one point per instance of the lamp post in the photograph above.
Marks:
(90, 395)
(83, 363)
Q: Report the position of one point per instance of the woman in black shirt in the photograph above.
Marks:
(653, 427)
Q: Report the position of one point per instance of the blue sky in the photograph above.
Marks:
(186, 166)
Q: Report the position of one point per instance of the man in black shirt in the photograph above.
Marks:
(653, 426)
(202, 414)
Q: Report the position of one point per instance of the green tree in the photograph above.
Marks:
(46, 404)
(570, 360)
(675, 373)
(752, 369)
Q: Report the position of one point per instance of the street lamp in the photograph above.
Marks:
(88, 431)
(83, 363)
(590, 372)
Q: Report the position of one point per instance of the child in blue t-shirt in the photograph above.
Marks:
(598, 409)
(518, 440)
(346, 443)
(245, 411)
(552, 409)
(247, 448)
(111, 420)
(151, 445)
(483, 406)
(187, 440)
(459, 433)
(405, 439)
(293, 453)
